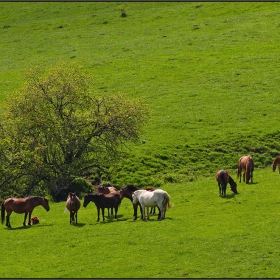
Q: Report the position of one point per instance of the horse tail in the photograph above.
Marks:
(167, 200)
(239, 168)
(2, 212)
(223, 178)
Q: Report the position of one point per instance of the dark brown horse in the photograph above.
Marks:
(127, 192)
(103, 201)
(223, 178)
(105, 190)
(22, 205)
(246, 163)
(73, 205)
(276, 163)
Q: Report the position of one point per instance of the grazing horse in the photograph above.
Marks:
(148, 199)
(223, 178)
(22, 205)
(276, 163)
(73, 205)
(246, 163)
(103, 201)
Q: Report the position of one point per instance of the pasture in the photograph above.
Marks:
(203, 236)
(209, 72)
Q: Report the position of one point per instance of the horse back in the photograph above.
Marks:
(222, 176)
(109, 200)
(18, 205)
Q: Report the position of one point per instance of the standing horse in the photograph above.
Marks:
(105, 190)
(73, 205)
(103, 201)
(223, 178)
(22, 205)
(128, 191)
(246, 163)
(276, 163)
(148, 199)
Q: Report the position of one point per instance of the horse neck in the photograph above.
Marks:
(37, 200)
(230, 180)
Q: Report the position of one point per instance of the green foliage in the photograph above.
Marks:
(54, 131)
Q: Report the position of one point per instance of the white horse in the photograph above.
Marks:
(148, 199)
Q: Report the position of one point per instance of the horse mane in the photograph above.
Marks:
(130, 188)
(230, 180)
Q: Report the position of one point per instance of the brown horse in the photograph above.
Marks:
(103, 201)
(105, 190)
(223, 178)
(276, 163)
(246, 163)
(73, 205)
(22, 205)
(127, 192)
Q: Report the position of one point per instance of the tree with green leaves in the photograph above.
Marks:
(54, 130)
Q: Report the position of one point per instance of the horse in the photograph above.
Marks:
(22, 205)
(148, 199)
(276, 163)
(73, 205)
(103, 201)
(128, 191)
(223, 178)
(246, 163)
(105, 190)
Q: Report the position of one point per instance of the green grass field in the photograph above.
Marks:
(209, 73)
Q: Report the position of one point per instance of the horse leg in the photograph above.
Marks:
(103, 213)
(76, 215)
(25, 216)
(135, 206)
(159, 213)
(29, 217)
(116, 211)
(143, 212)
(8, 219)
(98, 213)
(148, 214)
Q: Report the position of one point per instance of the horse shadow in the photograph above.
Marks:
(79, 225)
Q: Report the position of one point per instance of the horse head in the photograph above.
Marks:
(233, 187)
(45, 204)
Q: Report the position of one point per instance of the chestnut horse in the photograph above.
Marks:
(246, 163)
(276, 163)
(73, 205)
(22, 205)
(223, 178)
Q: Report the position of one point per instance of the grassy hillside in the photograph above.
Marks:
(203, 236)
(209, 72)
